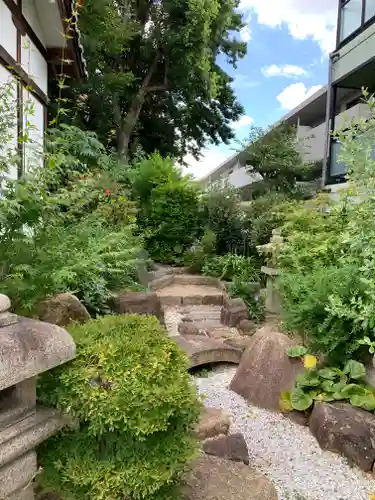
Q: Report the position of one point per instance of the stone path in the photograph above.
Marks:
(285, 452)
(192, 307)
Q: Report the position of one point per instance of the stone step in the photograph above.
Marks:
(176, 294)
(202, 313)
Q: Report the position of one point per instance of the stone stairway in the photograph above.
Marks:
(193, 312)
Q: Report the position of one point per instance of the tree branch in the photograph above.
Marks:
(156, 88)
(147, 88)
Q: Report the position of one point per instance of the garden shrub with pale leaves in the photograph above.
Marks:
(130, 390)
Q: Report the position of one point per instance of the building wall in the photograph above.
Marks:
(240, 177)
(10, 147)
(35, 66)
(354, 53)
(311, 141)
(8, 31)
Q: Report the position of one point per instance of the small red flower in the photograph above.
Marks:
(108, 192)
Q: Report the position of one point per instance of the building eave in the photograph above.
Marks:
(69, 9)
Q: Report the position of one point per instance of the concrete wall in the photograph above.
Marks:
(240, 177)
(312, 141)
(356, 112)
(354, 53)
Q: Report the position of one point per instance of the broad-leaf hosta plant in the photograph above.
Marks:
(328, 384)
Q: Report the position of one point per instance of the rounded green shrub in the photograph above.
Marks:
(130, 390)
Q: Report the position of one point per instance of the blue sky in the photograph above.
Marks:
(288, 42)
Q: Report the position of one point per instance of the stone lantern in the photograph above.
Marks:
(271, 251)
(27, 349)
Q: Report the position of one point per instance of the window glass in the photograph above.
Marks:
(337, 168)
(351, 17)
(370, 9)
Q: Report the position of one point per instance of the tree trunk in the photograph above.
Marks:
(125, 125)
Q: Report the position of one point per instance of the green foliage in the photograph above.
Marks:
(168, 208)
(297, 351)
(201, 251)
(330, 384)
(243, 290)
(276, 156)
(224, 216)
(130, 390)
(327, 262)
(8, 123)
(264, 214)
(67, 226)
(230, 266)
(368, 342)
(156, 83)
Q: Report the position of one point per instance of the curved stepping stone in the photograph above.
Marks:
(204, 350)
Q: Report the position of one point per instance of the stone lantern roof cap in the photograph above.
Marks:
(29, 347)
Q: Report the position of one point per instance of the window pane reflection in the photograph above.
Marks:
(351, 17)
(337, 168)
(370, 9)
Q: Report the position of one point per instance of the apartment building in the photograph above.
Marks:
(351, 68)
(234, 171)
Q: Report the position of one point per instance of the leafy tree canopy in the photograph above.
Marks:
(154, 80)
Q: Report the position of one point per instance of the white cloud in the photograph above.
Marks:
(210, 159)
(245, 34)
(296, 93)
(314, 19)
(244, 121)
(288, 70)
(244, 82)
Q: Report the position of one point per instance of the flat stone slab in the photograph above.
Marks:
(213, 478)
(176, 294)
(204, 350)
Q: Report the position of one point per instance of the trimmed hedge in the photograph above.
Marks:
(131, 392)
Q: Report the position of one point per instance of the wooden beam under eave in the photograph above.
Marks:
(11, 65)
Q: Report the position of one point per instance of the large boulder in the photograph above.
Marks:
(232, 447)
(265, 369)
(213, 422)
(146, 303)
(213, 478)
(62, 310)
(347, 430)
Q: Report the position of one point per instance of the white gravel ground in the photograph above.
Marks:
(284, 451)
